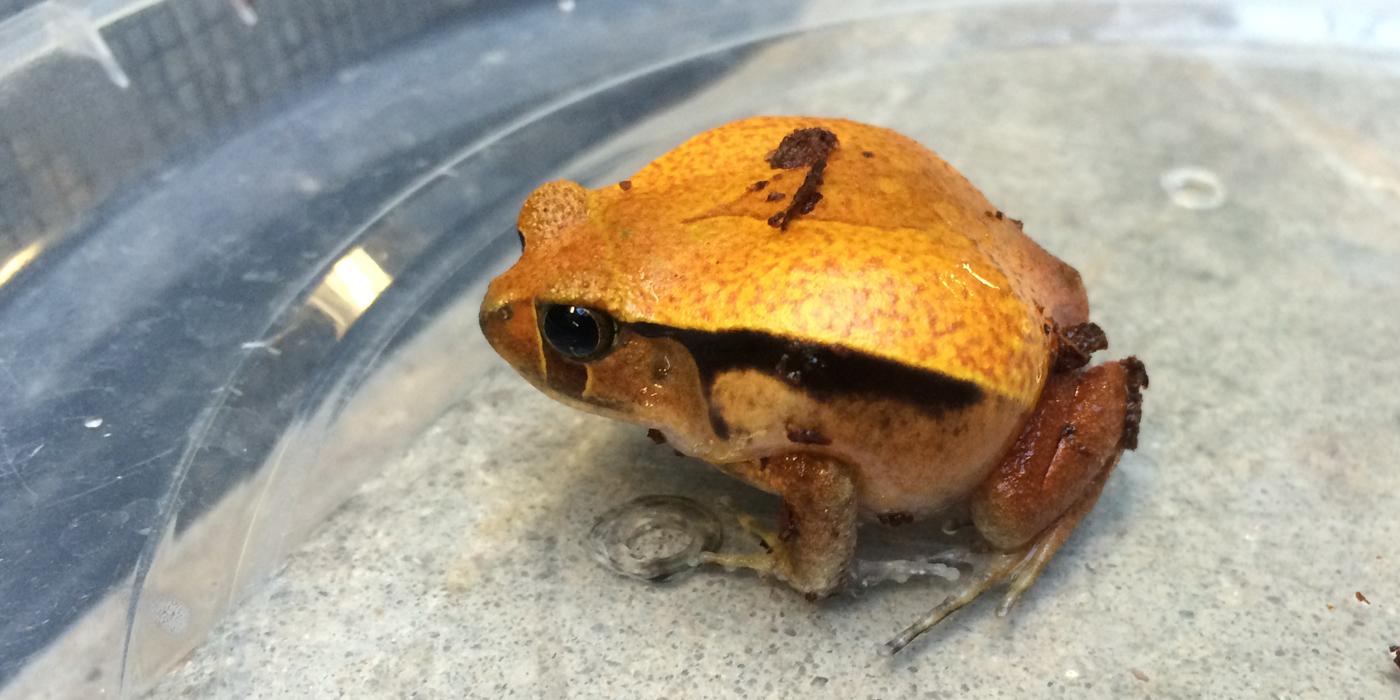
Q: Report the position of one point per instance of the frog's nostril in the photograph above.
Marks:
(494, 322)
(492, 317)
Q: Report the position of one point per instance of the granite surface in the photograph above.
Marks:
(1234, 215)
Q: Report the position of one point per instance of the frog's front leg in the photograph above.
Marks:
(816, 537)
(1030, 504)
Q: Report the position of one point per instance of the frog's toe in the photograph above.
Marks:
(762, 564)
(1026, 571)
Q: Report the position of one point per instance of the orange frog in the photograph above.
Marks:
(827, 311)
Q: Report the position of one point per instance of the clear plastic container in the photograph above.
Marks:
(242, 246)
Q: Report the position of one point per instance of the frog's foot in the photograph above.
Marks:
(1049, 481)
(816, 535)
(1017, 570)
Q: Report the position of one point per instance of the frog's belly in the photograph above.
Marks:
(907, 457)
(908, 462)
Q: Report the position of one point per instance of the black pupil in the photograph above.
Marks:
(572, 330)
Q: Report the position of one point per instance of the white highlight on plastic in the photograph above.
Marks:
(247, 14)
(18, 261)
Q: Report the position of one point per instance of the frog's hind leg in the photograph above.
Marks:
(1049, 480)
(816, 538)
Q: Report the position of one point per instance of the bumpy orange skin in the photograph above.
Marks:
(902, 258)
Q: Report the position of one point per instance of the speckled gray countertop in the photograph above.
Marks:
(1234, 214)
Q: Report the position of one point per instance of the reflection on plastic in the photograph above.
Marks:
(18, 261)
(353, 284)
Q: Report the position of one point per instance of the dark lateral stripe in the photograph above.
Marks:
(821, 371)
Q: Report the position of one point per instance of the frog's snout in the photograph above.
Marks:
(494, 316)
(510, 328)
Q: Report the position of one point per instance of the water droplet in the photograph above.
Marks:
(1193, 188)
(93, 423)
(654, 538)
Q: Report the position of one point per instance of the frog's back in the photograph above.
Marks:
(900, 257)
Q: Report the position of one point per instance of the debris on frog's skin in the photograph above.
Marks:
(655, 538)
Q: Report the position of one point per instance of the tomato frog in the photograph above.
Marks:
(828, 311)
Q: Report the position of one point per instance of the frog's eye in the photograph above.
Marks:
(577, 332)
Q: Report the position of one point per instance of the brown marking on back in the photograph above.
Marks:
(804, 200)
(807, 148)
(625, 185)
(775, 196)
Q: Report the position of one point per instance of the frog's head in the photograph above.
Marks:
(559, 317)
